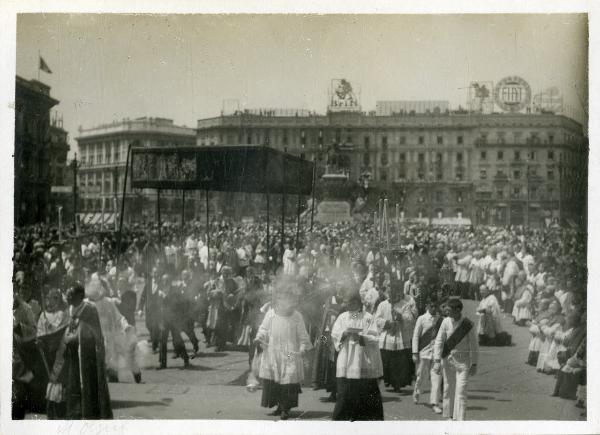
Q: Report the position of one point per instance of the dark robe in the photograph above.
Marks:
(128, 305)
(324, 364)
(32, 392)
(86, 387)
(151, 302)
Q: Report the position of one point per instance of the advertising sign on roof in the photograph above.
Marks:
(512, 94)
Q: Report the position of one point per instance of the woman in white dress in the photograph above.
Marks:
(283, 340)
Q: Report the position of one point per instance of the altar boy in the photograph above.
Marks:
(424, 335)
(455, 352)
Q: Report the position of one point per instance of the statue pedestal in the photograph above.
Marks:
(333, 211)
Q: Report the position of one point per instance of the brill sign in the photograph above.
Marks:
(512, 94)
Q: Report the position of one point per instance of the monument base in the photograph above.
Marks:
(333, 211)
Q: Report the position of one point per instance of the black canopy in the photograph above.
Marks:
(254, 169)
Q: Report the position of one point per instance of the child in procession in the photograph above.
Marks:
(284, 341)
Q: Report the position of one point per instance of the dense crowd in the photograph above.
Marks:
(332, 290)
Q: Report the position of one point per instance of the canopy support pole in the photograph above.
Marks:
(312, 206)
(298, 221)
(207, 231)
(182, 213)
(158, 220)
(268, 227)
(283, 198)
(122, 206)
(268, 197)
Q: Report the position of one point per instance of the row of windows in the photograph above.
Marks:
(303, 139)
(530, 155)
(520, 192)
(108, 153)
(518, 174)
(402, 140)
(421, 174)
(295, 136)
(384, 158)
(517, 136)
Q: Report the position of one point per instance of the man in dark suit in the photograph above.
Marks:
(150, 302)
(188, 311)
(231, 258)
(170, 299)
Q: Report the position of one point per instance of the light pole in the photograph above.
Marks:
(560, 171)
(74, 166)
(59, 222)
(527, 196)
(116, 195)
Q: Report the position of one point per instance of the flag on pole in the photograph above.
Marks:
(44, 66)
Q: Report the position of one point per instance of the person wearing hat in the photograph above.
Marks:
(455, 355)
(79, 365)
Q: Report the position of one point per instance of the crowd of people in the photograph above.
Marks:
(337, 298)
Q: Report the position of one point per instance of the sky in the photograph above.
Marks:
(107, 66)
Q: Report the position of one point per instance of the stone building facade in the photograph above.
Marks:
(101, 173)
(32, 152)
(499, 168)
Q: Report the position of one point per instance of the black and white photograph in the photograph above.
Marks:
(298, 217)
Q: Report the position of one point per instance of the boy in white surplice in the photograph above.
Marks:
(283, 340)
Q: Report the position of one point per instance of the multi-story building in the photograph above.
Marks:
(498, 168)
(101, 169)
(33, 152)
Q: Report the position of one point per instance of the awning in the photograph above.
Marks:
(231, 168)
(96, 218)
(451, 221)
(86, 218)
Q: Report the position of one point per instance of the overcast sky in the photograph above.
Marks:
(107, 67)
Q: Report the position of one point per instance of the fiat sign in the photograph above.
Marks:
(512, 94)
